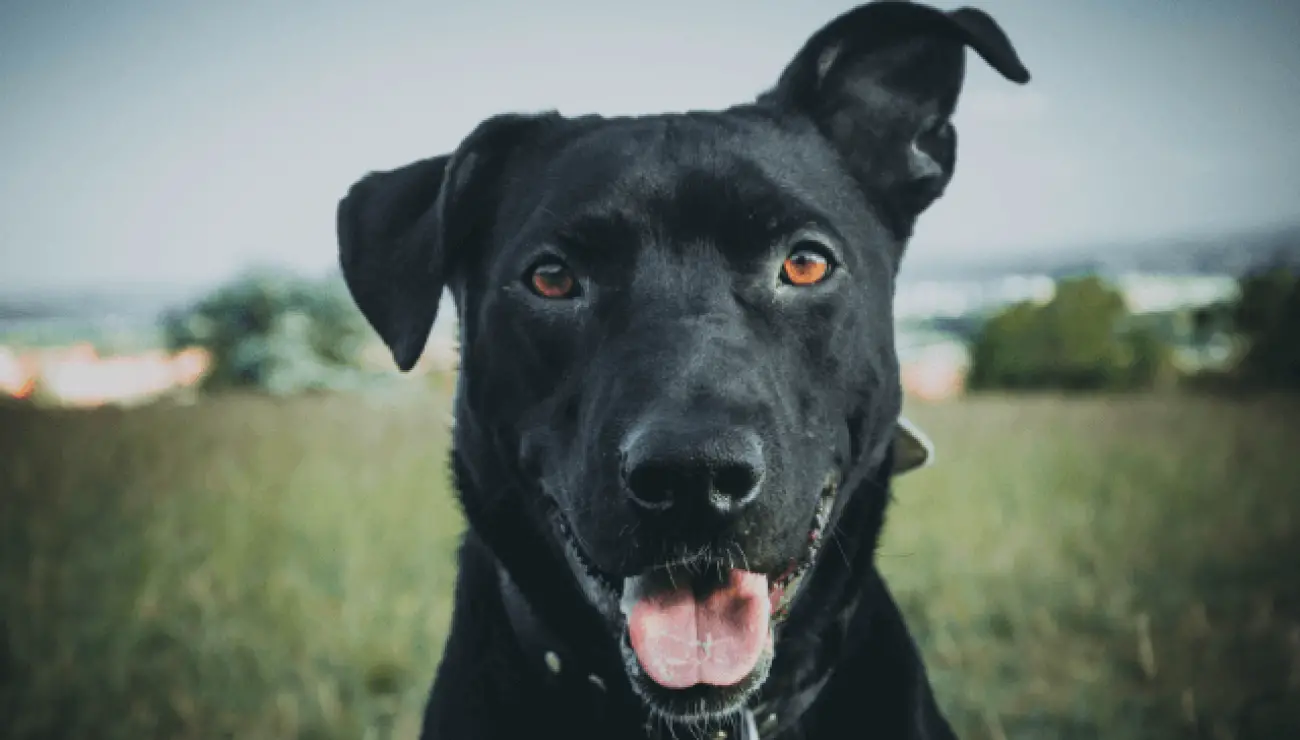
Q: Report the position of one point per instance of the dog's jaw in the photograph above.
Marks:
(612, 598)
(601, 592)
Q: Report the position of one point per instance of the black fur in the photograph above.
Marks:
(684, 401)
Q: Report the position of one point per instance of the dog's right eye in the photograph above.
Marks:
(551, 278)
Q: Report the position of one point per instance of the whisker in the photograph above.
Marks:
(834, 537)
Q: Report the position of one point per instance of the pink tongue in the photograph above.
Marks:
(681, 641)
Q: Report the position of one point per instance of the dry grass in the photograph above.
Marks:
(246, 567)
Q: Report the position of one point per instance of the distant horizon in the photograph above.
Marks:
(916, 261)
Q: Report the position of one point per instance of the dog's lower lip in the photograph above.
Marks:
(786, 587)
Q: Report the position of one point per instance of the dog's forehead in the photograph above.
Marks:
(685, 176)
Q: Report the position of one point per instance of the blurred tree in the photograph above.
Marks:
(1080, 340)
(1267, 317)
(1150, 360)
(274, 332)
(1203, 324)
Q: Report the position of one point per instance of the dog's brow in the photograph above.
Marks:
(595, 236)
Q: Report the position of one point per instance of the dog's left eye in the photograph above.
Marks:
(551, 278)
(807, 265)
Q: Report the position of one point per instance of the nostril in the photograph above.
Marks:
(657, 485)
(734, 482)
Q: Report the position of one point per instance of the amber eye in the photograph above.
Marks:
(805, 266)
(552, 279)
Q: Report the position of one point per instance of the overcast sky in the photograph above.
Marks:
(154, 141)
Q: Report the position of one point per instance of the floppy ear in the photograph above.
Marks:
(401, 233)
(881, 82)
(392, 253)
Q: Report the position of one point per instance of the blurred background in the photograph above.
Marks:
(224, 514)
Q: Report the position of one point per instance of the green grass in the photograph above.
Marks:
(259, 568)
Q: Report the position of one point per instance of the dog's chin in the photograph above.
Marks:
(695, 694)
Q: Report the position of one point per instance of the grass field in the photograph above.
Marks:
(258, 568)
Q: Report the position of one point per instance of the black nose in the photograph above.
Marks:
(716, 469)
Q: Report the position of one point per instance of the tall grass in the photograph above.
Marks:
(249, 567)
(241, 568)
(1125, 568)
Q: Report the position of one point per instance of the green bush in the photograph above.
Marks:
(1081, 340)
(1267, 318)
(274, 332)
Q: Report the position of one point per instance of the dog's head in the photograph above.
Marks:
(677, 348)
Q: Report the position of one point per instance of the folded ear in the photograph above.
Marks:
(881, 83)
(401, 232)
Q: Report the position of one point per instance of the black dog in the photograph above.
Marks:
(677, 414)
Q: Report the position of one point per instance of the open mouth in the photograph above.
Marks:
(698, 635)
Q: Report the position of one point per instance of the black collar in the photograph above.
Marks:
(563, 668)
